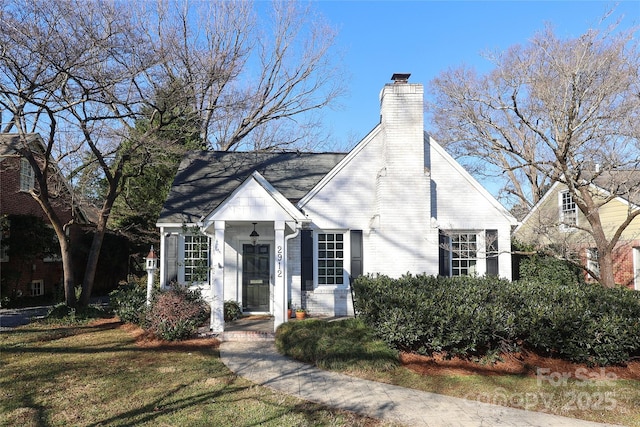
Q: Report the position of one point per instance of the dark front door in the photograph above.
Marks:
(255, 277)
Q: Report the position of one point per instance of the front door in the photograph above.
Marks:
(255, 277)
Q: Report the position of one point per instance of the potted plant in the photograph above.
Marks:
(289, 310)
(300, 313)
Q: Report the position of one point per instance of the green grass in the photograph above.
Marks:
(349, 347)
(90, 374)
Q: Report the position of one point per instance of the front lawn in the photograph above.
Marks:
(524, 381)
(102, 373)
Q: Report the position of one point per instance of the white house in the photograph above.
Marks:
(268, 228)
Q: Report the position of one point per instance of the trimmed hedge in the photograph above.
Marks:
(478, 317)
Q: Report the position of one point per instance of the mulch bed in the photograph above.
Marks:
(522, 364)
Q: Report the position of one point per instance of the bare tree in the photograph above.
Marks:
(549, 112)
(254, 82)
(81, 73)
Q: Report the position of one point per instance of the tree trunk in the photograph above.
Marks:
(607, 276)
(92, 261)
(68, 273)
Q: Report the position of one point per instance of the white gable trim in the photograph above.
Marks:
(466, 175)
(341, 165)
(537, 205)
(287, 207)
(554, 190)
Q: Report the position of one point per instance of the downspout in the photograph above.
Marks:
(286, 257)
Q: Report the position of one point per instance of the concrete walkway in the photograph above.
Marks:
(260, 363)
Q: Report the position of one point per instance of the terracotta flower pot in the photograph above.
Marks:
(300, 315)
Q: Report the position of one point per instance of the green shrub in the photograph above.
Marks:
(128, 302)
(481, 316)
(63, 314)
(550, 270)
(232, 310)
(176, 314)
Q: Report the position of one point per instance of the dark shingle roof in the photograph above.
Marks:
(624, 183)
(206, 178)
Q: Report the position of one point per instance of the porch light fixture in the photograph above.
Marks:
(254, 235)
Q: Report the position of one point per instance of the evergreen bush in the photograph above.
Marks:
(128, 302)
(482, 316)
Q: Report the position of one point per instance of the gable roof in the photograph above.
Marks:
(10, 143)
(624, 183)
(205, 179)
(433, 144)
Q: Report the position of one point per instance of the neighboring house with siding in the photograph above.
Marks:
(38, 271)
(555, 221)
(268, 228)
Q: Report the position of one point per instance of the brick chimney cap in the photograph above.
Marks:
(400, 77)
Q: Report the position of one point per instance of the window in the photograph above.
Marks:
(196, 258)
(331, 259)
(5, 231)
(568, 211)
(36, 288)
(464, 253)
(27, 177)
(593, 263)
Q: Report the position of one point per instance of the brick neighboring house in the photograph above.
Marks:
(268, 228)
(556, 220)
(29, 276)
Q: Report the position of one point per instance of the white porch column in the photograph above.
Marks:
(217, 278)
(280, 293)
(163, 255)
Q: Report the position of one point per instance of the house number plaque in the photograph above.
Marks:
(279, 258)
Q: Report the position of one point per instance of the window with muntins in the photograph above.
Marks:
(27, 177)
(593, 263)
(37, 288)
(196, 258)
(464, 253)
(331, 259)
(568, 210)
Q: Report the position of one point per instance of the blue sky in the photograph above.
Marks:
(424, 38)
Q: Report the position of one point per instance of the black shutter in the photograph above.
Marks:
(356, 253)
(492, 252)
(306, 258)
(171, 258)
(444, 251)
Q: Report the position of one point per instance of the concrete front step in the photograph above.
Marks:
(246, 336)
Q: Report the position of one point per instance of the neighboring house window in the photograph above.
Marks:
(568, 211)
(464, 253)
(593, 263)
(4, 239)
(36, 288)
(331, 259)
(27, 177)
(53, 254)
(196, 258)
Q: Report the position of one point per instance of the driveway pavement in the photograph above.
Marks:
(12, 317)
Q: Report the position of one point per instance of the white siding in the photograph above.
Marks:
(463, 205)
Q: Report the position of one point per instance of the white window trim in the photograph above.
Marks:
(182, 258)
(561, 213)
(346, 259)
(40, 285)
(636, 268)
(481, 253)
(27, 176)
(593, 263)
